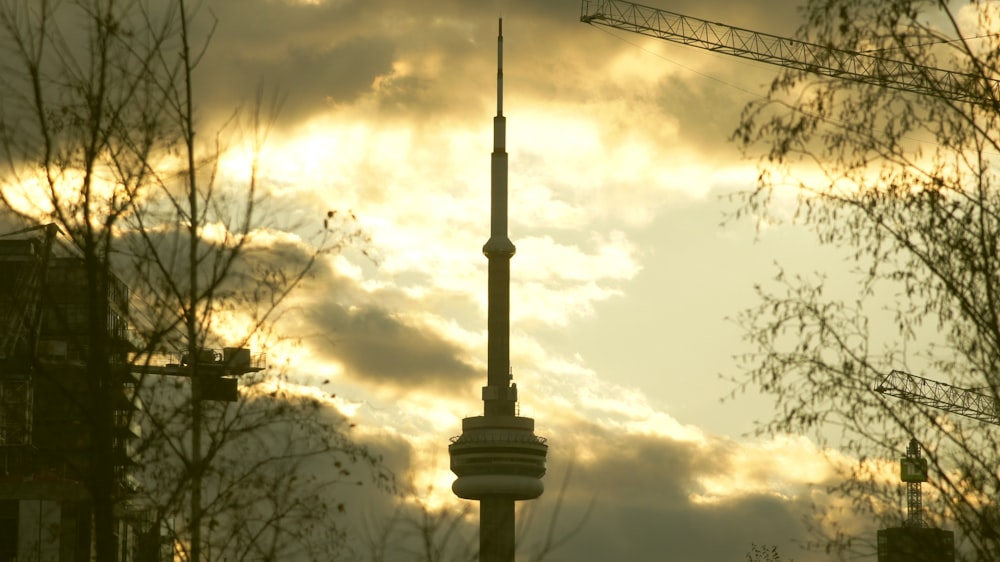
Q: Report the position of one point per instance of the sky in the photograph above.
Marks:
(630, 264)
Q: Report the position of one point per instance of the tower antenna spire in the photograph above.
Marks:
(500, 67)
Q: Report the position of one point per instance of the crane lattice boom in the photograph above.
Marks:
(940, 395)
(792, 53)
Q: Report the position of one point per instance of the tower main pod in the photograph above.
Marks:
(498, 459)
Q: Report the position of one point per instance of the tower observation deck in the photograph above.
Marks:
(498, 459)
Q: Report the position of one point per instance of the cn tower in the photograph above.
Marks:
(498, 458)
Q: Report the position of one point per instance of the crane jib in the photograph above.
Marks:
(939, 395)
(793, 53)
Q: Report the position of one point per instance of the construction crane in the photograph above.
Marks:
(865, 68)
(912, 467)
(941, 396)
(826, 61)
(792, 53)
(934, 394)
(217, 370)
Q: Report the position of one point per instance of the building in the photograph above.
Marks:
(46, 411)
(498, 459)
(915, 544)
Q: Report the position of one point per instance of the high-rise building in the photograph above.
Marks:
(47, 413)
(498, 458)
(915, 544)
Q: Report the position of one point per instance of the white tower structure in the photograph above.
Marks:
(498, 459)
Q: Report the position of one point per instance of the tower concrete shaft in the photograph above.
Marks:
(498, 459)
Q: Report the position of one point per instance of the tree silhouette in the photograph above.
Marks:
(905, 185)
(99, 136)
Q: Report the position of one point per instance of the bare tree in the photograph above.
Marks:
(78, 130)
(418, 532)
(554, 537)
(906, 185)
(98, 131)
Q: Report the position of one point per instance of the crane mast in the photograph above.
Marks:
(792, 53)
(913, 471)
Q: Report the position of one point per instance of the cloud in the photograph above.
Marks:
(388, 110)
(336, 52)
(360, 328)
(423, 64)
(636, 495)
(641, 497)
(366, 331)
(341, 317)
(378, 346)
(312, 53)
(646, 495)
